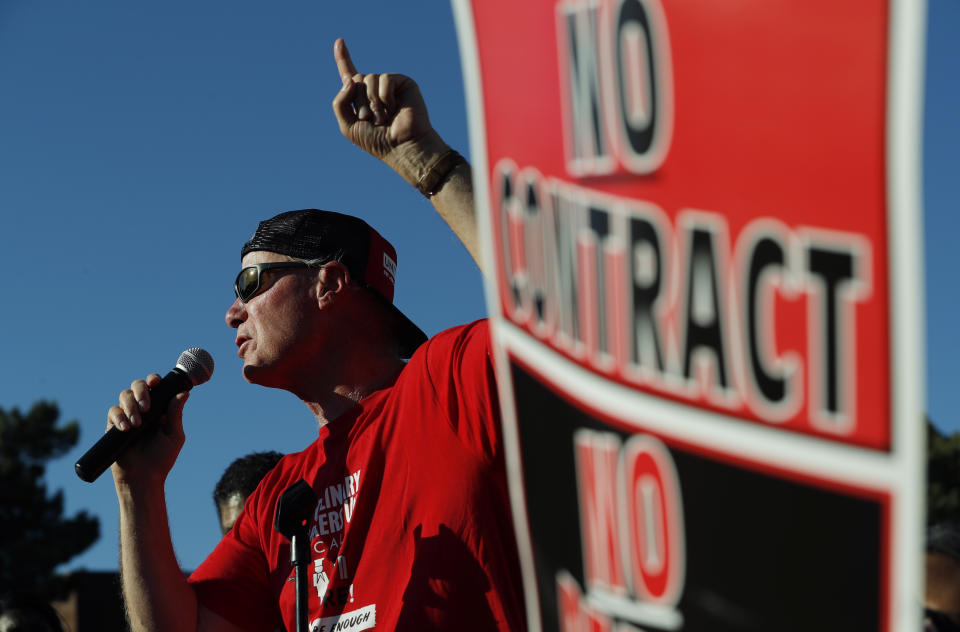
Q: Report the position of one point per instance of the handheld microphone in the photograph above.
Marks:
(194, 367)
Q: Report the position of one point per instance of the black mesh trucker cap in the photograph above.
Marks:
(326, 235)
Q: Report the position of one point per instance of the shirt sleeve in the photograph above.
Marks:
(233, 580)
(460, 369)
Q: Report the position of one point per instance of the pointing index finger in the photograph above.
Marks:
(342, 56)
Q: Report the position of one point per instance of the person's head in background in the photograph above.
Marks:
(941, 601)
(237, 482)
(27, 613)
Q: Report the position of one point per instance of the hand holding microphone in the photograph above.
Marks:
(139, 409)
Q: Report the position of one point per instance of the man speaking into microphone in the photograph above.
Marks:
(411, 529)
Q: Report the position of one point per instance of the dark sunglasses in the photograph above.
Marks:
(248, 280)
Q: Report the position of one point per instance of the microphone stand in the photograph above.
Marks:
(293, 511)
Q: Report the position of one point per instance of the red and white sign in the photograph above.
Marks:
(702, 224)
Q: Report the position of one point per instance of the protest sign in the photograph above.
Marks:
(701, 223)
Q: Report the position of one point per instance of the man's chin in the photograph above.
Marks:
(253, 373)
(259, 375)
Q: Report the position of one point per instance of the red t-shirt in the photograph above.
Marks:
(412, 528)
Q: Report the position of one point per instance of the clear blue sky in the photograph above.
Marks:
(141, 144)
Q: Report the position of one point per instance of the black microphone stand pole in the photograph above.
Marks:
(294, 508)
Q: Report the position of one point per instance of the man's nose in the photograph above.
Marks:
(236, 314)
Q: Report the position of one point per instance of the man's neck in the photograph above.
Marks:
(347, 392)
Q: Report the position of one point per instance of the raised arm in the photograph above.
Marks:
(385, 115)
(156, 593)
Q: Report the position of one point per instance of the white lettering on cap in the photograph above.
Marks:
(390, 268)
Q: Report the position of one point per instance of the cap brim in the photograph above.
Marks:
(409, 336)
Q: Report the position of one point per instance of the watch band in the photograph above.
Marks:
(436, 174)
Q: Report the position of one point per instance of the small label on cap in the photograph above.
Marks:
(389, 268)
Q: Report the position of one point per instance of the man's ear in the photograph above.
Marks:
(333, 279)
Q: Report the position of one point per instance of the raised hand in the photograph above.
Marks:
(385, 115)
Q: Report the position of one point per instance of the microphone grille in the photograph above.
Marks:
(197, 363)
